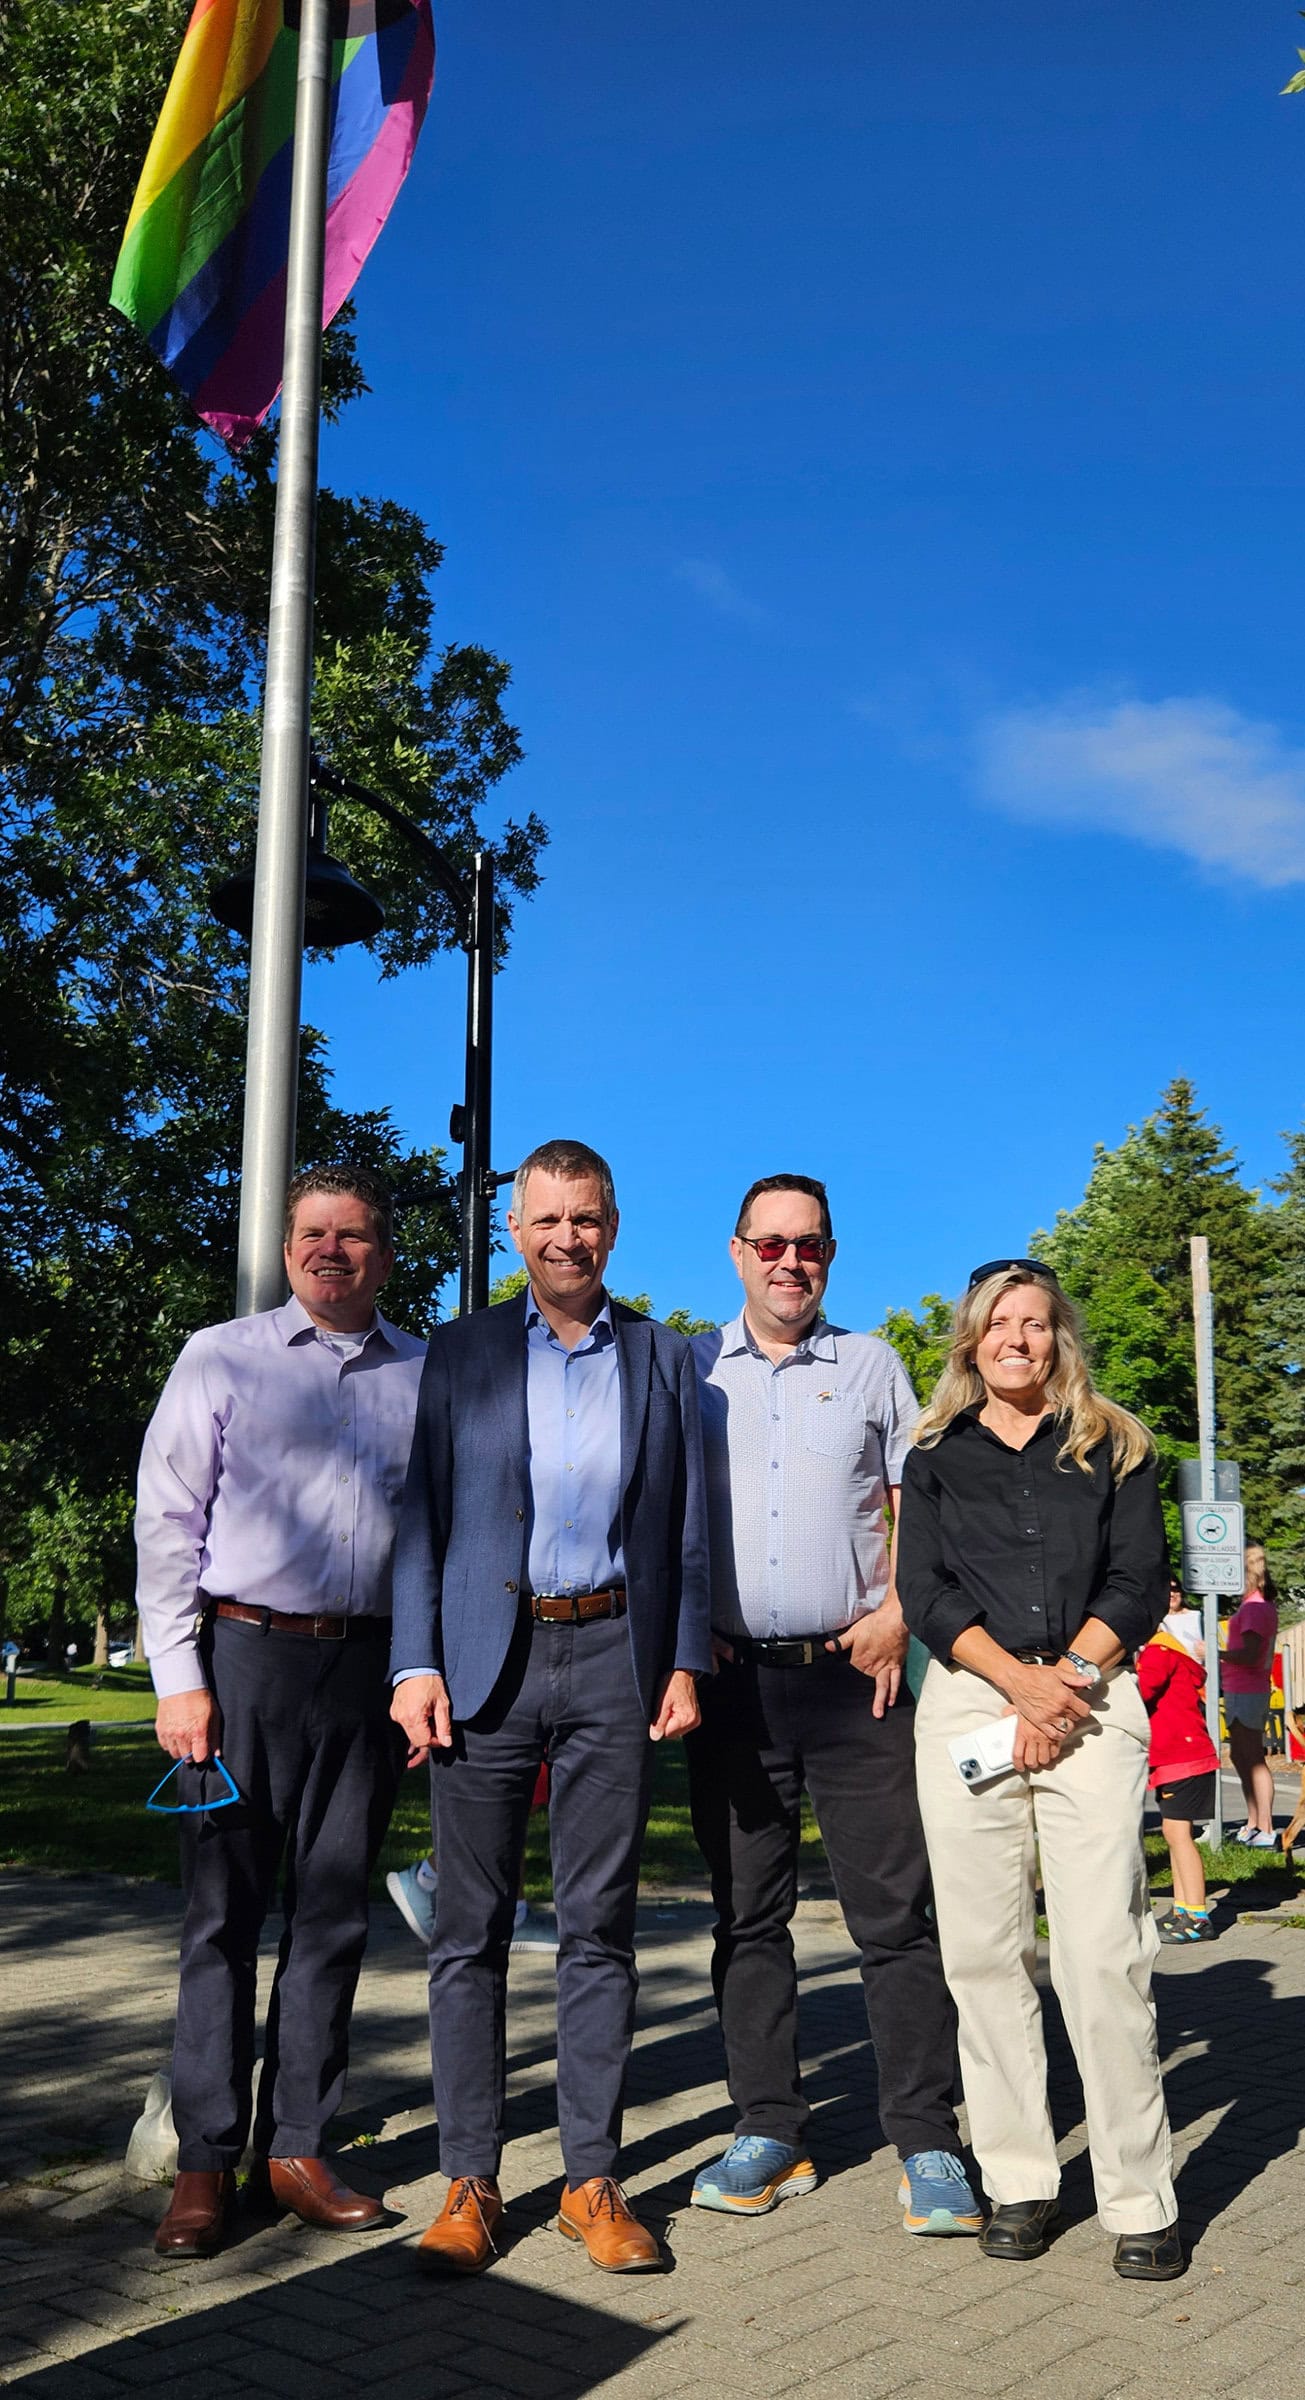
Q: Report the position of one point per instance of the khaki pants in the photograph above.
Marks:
(1085, 1812)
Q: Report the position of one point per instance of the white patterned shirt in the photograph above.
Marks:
(799, 1456)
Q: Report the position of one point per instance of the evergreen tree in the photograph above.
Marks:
(1282, 1331)
(1123, 1256)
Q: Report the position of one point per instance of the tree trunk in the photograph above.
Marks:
(138, 1653)
(101, 1638)
(57, 1634)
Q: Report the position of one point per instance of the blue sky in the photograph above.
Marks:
(873, 437)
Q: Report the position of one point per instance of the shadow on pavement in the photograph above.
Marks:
(368, 2322)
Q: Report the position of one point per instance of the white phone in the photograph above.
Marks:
(985, 1754)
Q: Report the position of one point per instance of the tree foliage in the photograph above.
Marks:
(1123, 1256)
(133, 597)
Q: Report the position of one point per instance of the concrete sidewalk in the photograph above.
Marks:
(827, 2295)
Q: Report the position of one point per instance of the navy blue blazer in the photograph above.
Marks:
(464, 1530)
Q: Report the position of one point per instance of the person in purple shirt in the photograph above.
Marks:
(268, 1498)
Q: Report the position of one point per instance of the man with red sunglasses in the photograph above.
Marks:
(805, 1428)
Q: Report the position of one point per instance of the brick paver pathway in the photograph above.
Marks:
(827, 2295)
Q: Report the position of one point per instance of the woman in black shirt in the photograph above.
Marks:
(1031, 1562)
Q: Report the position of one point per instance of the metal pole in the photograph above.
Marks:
(473, 1288)
(276, 961)
(1203, 1315)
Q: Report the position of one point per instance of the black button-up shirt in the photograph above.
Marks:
(1008, 1540)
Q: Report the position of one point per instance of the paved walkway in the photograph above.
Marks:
(827, 2295)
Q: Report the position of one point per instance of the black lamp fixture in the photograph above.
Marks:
(336, 908)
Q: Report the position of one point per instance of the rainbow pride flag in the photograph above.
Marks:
(202, 269)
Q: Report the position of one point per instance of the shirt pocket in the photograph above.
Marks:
(833, 1424)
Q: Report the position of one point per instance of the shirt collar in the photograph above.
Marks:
(294, 1324)
(1046, 1426)
(737, 1339)
(600, 1333)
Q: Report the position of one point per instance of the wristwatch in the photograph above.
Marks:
(1085, 1666)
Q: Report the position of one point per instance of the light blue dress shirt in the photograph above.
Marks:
(573, 1413)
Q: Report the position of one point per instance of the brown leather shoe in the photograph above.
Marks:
(198, 2221)
(461, 2240)
(308, 2186)
(598, 2214)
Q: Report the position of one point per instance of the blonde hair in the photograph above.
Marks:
(1084, 1417)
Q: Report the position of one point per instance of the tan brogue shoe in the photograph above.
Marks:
(598, 2214)
(199, 2214)
(461, 2240)
(316, 2194)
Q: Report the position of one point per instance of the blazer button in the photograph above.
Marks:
(521, 1516)
(509, 1587)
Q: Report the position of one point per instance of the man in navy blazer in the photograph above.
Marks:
(550, 1602)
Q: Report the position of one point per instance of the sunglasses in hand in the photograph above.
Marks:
(195, 1808)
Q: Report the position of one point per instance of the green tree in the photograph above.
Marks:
(1282, 1332)
(133, 595)
(1123, 1255)
(921, 1341)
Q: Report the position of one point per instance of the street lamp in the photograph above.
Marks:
(338, 910)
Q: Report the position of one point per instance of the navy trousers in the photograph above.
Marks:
(567, 1694)
(306, 1734)
(766, 1733)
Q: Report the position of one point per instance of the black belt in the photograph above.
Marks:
(577, 1608)
(785, 1650)
(322, 1629)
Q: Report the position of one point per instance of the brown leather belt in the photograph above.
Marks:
(322, 1629)
(576, 1608)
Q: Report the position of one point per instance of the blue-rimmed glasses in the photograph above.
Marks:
(194, 1808)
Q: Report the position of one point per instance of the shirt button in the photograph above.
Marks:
(569, 1467)
(509, 1586)
(344, 1479)
(344, 1537)
(570, 1412)
(774, 1562)
(345, 1422)
(570, 1525)
(337, 1600)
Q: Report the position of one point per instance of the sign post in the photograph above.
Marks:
(1213, 1527)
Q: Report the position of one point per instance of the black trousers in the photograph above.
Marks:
(567, 1693)
(306, 1734)
(766, 1733)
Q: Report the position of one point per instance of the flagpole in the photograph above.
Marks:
(276, 960)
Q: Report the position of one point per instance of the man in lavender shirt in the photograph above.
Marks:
(269, 1492)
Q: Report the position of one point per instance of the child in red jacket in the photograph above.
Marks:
(1184, 1762)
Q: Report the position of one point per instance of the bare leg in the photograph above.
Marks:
(1246, 1749)
(1185, 1858)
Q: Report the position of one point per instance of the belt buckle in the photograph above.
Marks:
(329, 1629)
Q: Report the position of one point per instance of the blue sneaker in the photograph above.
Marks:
(754, 2175)
(935, 2196)
(414, 1902)
(533, 1932)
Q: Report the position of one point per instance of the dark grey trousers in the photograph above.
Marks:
(768, 1732)
(306, 1734)
(567, 1693)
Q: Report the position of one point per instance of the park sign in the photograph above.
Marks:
(1213, 1546)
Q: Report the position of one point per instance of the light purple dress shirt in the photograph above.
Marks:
(272, 1474)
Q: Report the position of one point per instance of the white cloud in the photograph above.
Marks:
(709, 580)
(1189, 775)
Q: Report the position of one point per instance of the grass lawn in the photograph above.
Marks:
(104, 1694)
(97, 1822)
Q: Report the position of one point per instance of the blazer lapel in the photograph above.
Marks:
(634, 1357)
(505, 1344)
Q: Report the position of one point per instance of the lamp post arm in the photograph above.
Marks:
(437, 865)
